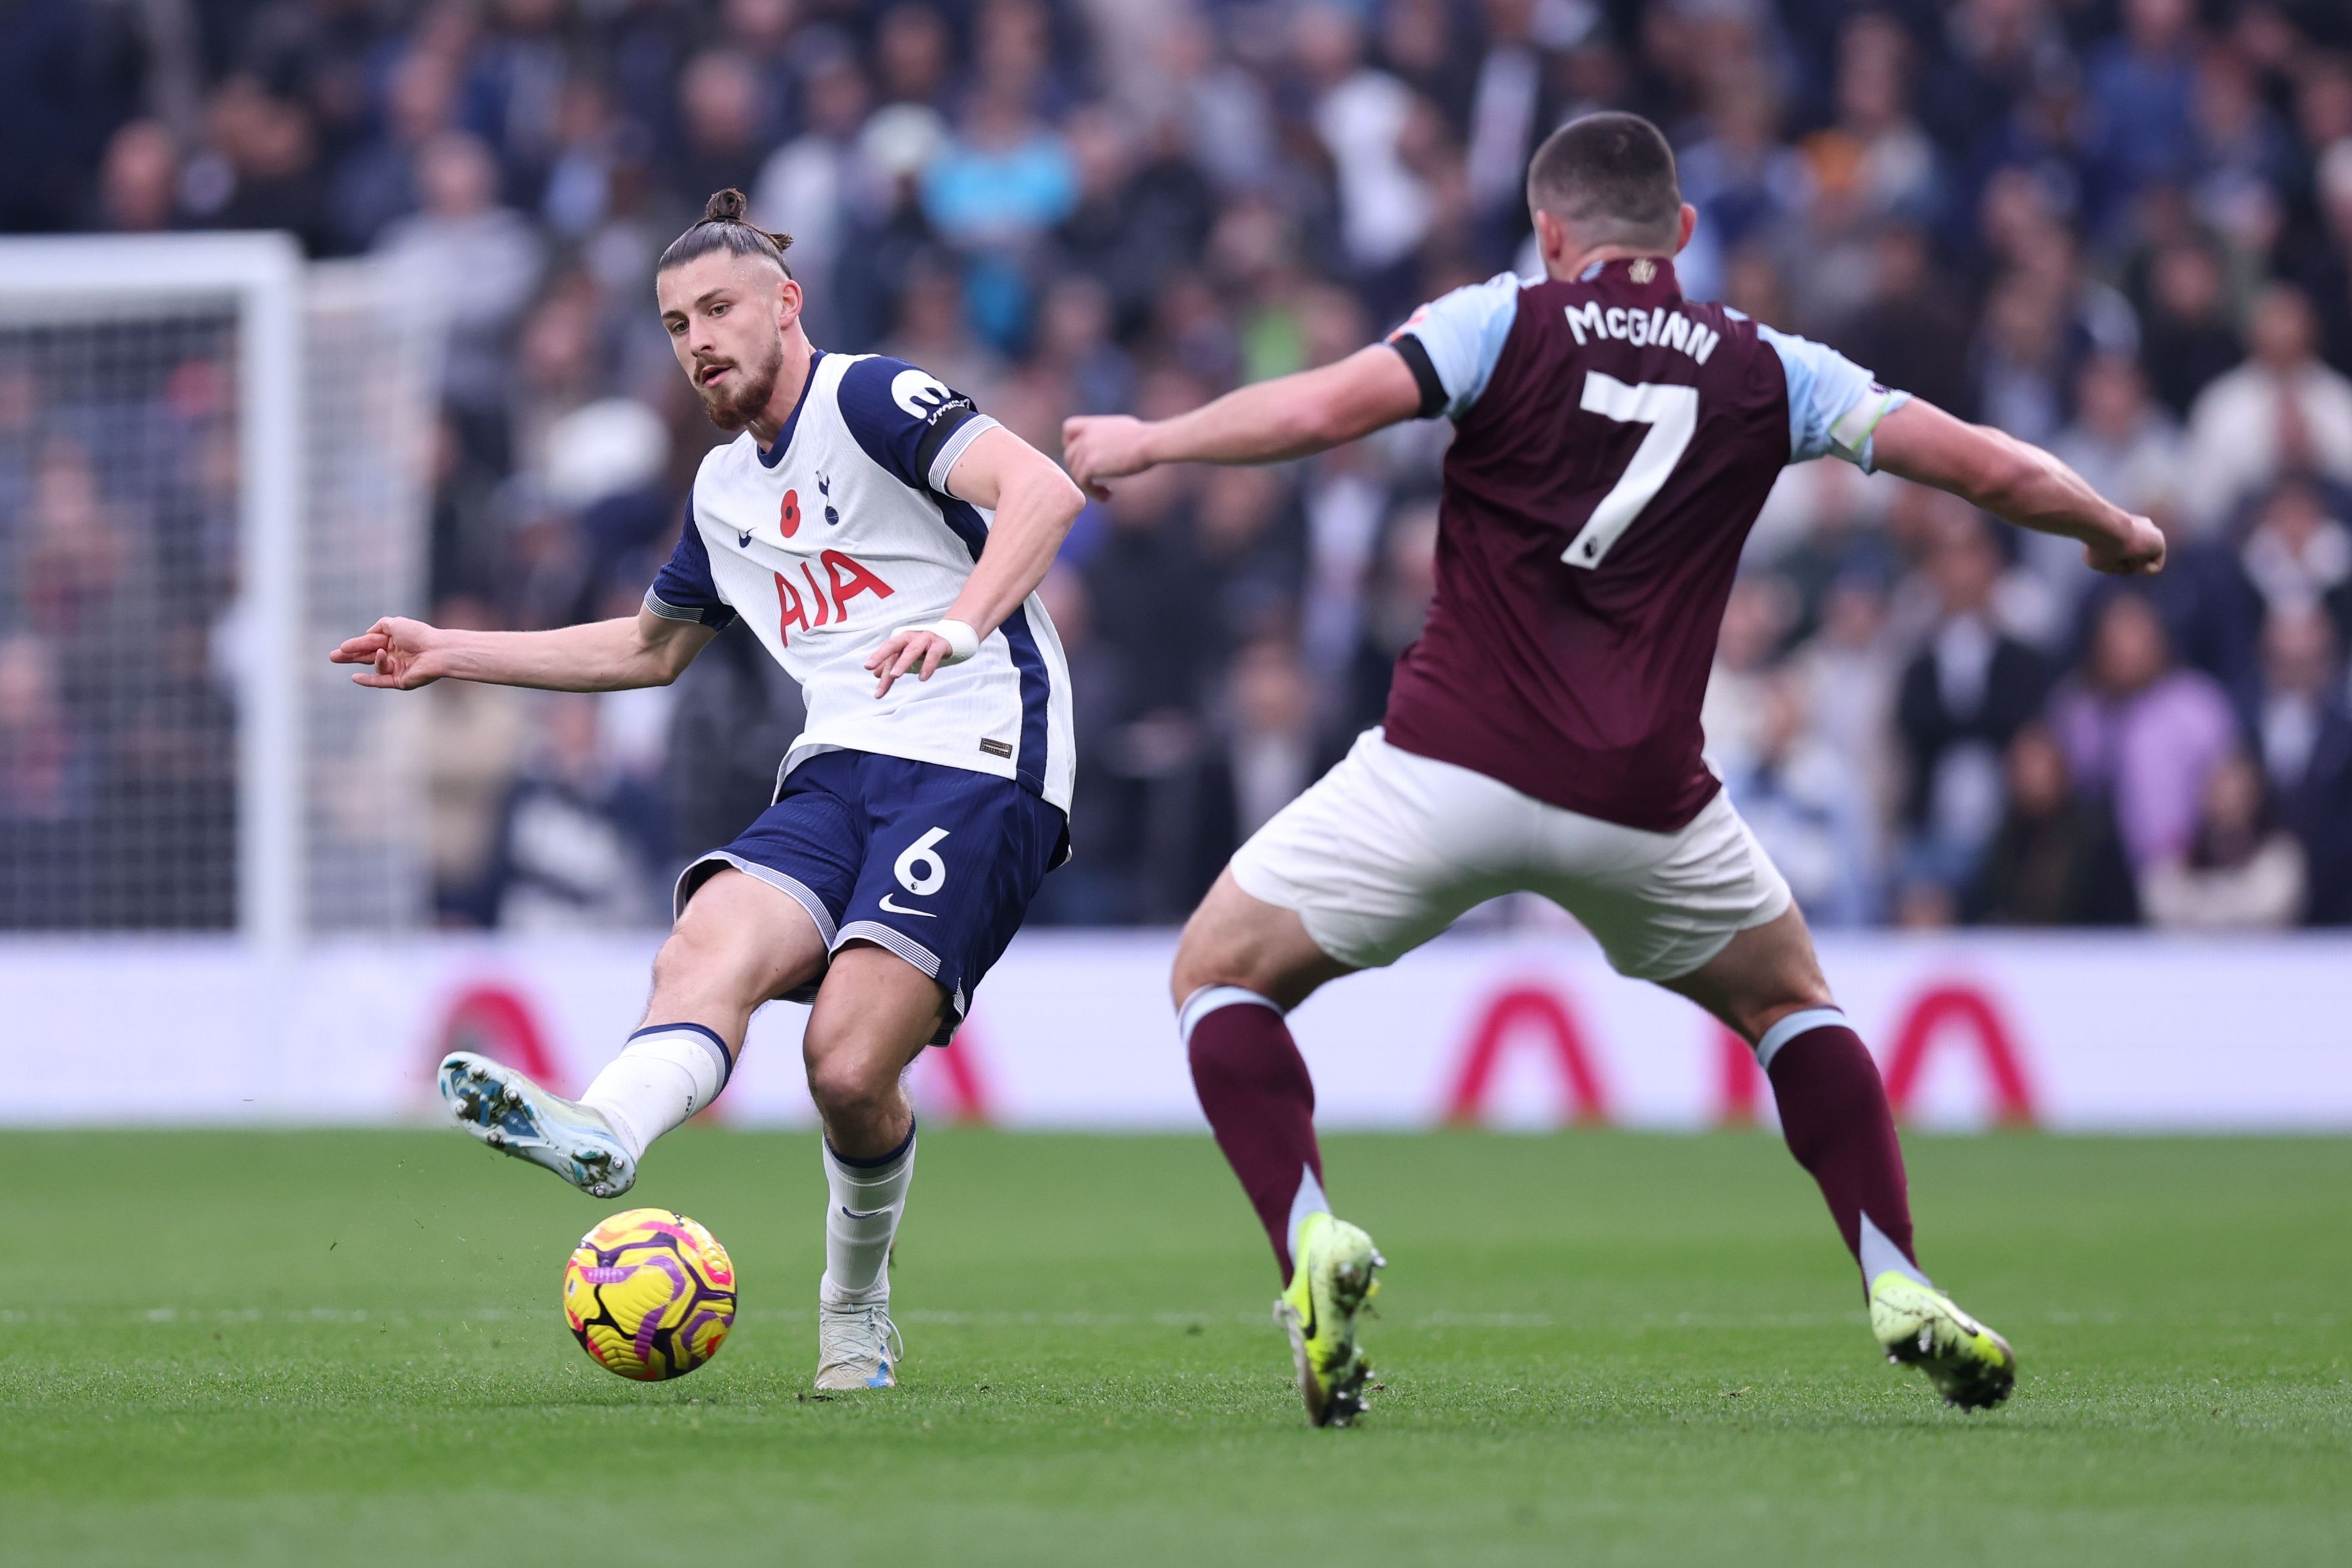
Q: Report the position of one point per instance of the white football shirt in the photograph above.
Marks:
(845, 532)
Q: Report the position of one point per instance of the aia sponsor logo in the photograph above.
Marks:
(827, 603)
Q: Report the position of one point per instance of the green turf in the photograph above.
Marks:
(346, 1349)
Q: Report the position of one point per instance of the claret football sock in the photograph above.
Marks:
(665, 1074)
(1260, 1101)
(1834, 1114)
(864, 1199)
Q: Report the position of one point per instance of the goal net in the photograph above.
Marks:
(213, 462)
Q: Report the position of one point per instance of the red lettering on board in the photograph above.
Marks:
(948, 1077)
(1940, 1014)
(1739, 1082)
(1519, 1013)
(493, 1021)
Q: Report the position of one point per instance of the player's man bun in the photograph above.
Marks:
(725, 225)
(1610, 177)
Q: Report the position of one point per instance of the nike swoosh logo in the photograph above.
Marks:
(903, 910)
(849, 1212)
(1307, 1328)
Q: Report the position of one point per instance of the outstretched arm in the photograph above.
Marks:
(601, 656)
(2017, 482)
(1269, 422)
(1035, 504)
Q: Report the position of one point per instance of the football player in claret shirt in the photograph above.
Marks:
(850, 523)
(1613, 442)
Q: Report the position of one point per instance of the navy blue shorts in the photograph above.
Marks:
(937, 863)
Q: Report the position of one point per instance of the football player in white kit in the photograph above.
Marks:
(871, 524)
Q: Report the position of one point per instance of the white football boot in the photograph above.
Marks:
(857, 1346)
(513, 1115)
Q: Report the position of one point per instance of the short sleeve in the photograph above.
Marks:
(909, 420)
(1451, 343)
(1835, 405)
(686, 590)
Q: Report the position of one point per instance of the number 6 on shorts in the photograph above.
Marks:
(920, 871)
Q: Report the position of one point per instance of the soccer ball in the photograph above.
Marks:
(650, 1294)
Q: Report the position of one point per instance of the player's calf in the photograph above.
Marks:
(874, 1016)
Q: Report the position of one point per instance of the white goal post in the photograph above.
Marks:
(198, 435)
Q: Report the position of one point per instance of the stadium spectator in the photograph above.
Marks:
(49, 795)
(45, 769)
(139, 186)
(2190, 340)
(512, 94)
(2304, 734)
(2282, 411)
(2298, 554)
(1811, 812)
(260, 167)
(1397, 604)
(1756, 620)
(808, 186)
(1266, 750)
(1153, 596)
(2120, 440)
(477, 261)
(581, 845)
(2129, 448)
(720, 104)
(2056, 859)
(1363, 117)
(1960, 703)
(2143, 732)
(735, 714)
(2242, 869)
(2143, 86)
(376, 184)
(1094, 889)
(2318, 257)
(1848, 678)
(1914, 332)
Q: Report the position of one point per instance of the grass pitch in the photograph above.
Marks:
(1604, 1349)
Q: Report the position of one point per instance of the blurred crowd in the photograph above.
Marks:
(2122, 229)
(118, 564)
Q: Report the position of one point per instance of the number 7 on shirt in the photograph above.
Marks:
(1672, 414)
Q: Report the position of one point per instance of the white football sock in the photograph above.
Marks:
(1308, 1201)
(1881, 1255)
(665, 1074)
(862, 1202)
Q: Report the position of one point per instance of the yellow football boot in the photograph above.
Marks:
(1331, 1280)
(1970, 1366)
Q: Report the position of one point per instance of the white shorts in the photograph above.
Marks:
(1388, 849)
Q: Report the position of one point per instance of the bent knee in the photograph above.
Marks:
(846, 1082)
(1234, 940)
(1211, 953)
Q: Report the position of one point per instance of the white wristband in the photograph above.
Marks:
(961, 640)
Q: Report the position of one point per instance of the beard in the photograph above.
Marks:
(734, 406)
